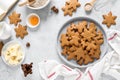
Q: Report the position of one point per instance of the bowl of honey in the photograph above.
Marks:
(33, 20)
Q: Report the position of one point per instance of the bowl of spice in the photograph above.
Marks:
(39, 4)
(33, 20)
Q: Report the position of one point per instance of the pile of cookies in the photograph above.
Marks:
(82, 42)
(70, 7)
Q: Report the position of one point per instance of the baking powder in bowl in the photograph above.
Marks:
(39, 3)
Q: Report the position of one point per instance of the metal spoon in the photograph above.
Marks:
(28, 2)
(89, 6)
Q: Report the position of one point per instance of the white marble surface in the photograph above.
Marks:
(43, 40)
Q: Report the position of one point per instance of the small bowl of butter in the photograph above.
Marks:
(13, 53)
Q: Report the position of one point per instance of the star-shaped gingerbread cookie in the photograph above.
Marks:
(66, 10)
(14, 18)
(74, 4)
(70, 7)
(109, 19)
(21, 31)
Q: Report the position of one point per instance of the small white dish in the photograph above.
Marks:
(28, 20)
(38, 8)
(89, 6)
(4, 49)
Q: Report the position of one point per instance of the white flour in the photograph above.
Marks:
(39, 3)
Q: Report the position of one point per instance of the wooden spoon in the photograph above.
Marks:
(29, 2)
(89, 6)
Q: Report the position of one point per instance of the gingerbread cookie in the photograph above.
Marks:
(73, 4)
(80, 53)
(92, 28)
(65, 50)
(1, 46)
(75, 40)
(71, 31)
(72, 48)
(21, 31)
(82, 42)
(81, 26)
(64, 40)
(71, 56)
(88, 59)
(99, 38)
(14, 18)
(70, 7)
(85, 58)
(87, 35)
(109, 19)
(90, 45)
(67, 10)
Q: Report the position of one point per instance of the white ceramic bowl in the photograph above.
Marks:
(41, 7)
(6, 46)
(29, 24)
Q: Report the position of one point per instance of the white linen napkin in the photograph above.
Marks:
(109, 65)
